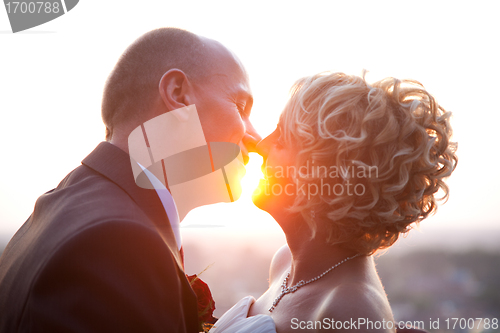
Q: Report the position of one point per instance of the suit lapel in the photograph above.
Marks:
(114, 164)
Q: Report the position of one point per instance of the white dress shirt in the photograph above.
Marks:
(168, 204)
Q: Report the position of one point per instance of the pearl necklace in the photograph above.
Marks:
(288, 290)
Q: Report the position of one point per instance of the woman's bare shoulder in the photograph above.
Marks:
(281, 261)
(362, 305)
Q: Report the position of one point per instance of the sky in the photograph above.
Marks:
(52, 77)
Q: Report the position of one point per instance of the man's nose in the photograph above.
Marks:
(250, 141)
(261, 148)
(251, 138)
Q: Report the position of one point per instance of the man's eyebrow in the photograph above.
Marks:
(244, 94)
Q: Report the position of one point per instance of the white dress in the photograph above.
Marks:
(235, 320)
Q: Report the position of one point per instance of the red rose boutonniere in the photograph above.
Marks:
(206, 303)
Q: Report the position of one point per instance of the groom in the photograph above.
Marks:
(99, 254)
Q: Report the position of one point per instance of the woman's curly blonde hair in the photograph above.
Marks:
(394, 128)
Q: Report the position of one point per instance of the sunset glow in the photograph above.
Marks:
(53, 77)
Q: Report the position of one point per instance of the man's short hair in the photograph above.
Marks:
(132, 86)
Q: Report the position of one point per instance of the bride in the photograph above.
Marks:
(350, 168)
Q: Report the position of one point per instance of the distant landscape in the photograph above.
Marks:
(427, 276)
(429, 285)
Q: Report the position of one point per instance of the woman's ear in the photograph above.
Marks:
(175, 89)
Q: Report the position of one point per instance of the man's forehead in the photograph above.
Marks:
(235, 84)
(224, 60)
(232, 71)
(227, 68)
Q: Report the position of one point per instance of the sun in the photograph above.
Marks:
(252, 177)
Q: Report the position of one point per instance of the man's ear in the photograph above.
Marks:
(175, 89)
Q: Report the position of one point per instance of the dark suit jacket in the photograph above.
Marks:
(97, 255)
